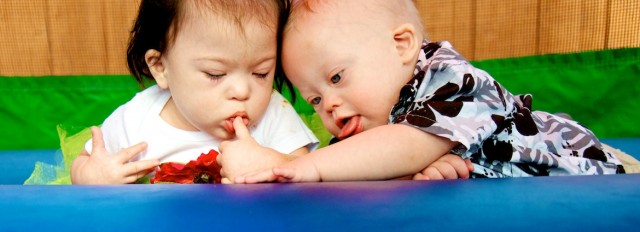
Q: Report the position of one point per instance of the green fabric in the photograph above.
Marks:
(598, 89)
(32, 107)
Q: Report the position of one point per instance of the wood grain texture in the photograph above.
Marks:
(89, 37)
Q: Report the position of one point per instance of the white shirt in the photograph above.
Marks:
(139, 120)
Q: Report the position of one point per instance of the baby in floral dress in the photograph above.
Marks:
(397, 102)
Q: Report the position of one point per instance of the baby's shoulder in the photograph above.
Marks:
(147, 102)
(152, 97)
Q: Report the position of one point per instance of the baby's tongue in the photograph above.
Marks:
(228, 124)
(349, 128)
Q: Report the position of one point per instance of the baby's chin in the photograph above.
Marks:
(221, 134)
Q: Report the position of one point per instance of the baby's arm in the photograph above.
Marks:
(246, 155)
(103, 168)
(384, 152)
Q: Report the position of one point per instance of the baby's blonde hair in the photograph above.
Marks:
(395, 12)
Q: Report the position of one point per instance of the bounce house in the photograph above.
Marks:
(63, 69)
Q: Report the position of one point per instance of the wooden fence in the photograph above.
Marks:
(88, 37)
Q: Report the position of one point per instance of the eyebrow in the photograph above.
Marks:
(228, 61)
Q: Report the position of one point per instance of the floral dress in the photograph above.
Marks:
(496, 130)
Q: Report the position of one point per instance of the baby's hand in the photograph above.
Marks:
(245, 154)
(268, 175)
(449, 166)
(103, 168)
(298, 170)
(278, 174)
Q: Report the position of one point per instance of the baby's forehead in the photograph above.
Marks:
(307, 11)
(310, 12)
(240, 12)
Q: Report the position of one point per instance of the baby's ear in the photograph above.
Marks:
(407, 42)
(156, 67)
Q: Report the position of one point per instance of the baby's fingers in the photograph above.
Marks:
(135, 176)
(126, 154)
(221, 148)
(285, 174)
(450, 171)
(138, 167)
(97, 142)
(239, 125)
(256, 177)
(461, 168)
(469, 164)
(430, 173)
(420, 176)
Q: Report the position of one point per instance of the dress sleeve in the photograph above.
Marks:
(452, 99)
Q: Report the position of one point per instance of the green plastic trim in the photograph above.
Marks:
(598, 89)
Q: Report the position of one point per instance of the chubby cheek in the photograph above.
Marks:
(379, 115)
(208, 122)
(256, 113)
(257, 107)
(213, 123)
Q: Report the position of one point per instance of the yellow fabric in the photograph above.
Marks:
(70, 148)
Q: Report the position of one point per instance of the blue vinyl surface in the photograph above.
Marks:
(585, 203)
(577, 203)
(17, 166)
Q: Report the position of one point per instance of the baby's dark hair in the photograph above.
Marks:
(158, 23)
(281, 79)
(150, 31)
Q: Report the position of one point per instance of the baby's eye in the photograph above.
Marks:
(215, 76)
(261, 75)
(336, 78)
(315, 100)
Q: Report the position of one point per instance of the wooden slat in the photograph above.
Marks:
(624, 27)
(77, 36)
(437, 17)
(594, 25)
(24, 47)
(118, 18)
(572, 26)
(450, 20)
(85, 37)
(464, 27)
(505, 28)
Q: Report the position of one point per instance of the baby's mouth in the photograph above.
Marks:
(352, 126)
(228, 124)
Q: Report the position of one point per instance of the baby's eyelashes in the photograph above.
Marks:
(261, 75)
(215, 76)
(337, 77)
(314, 100)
